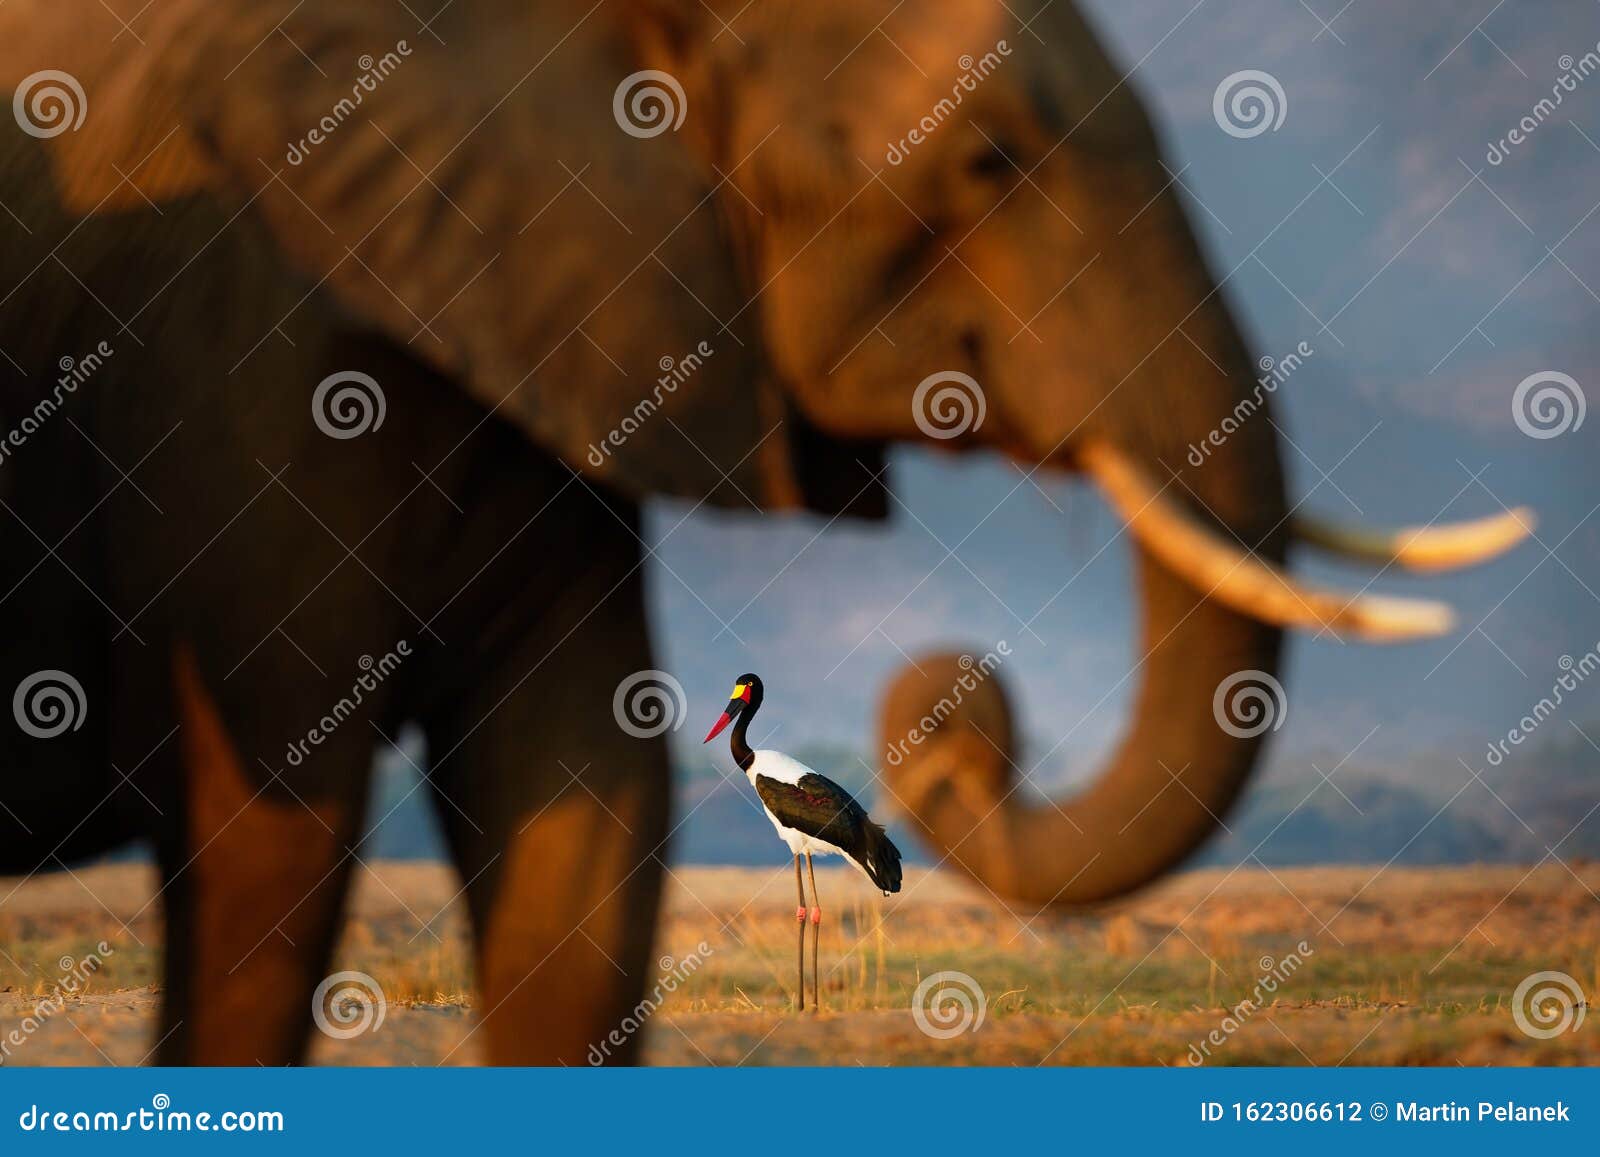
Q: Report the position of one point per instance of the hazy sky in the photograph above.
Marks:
(1429, 283)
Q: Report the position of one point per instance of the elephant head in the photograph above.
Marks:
(731, 251)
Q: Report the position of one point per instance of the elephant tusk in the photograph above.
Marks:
(1235, 576)
(1420, 548)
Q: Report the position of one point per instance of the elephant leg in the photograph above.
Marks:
(61, 799)
(565, 946)
(557, 818)
(253, 888)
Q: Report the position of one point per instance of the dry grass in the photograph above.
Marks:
(1407, 966)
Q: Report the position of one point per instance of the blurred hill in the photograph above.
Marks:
(1432, 810)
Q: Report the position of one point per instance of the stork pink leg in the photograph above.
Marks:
(800, 919)
(816, 938)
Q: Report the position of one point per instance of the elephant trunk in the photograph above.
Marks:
(1206, 700)
(1209, 544)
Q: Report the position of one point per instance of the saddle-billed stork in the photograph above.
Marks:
(813, 815)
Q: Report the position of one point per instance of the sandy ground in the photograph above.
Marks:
(1366, 966)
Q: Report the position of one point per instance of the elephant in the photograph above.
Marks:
(342, 347)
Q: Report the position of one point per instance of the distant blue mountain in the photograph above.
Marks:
(1517, 813)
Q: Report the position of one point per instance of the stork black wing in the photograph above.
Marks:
(816, 806)
(825, 811)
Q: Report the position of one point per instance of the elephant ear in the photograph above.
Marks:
(498, 191)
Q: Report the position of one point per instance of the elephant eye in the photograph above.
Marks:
(994, 161)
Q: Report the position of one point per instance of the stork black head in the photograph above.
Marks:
(746, 697)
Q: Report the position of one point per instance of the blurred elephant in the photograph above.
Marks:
(340, 349)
